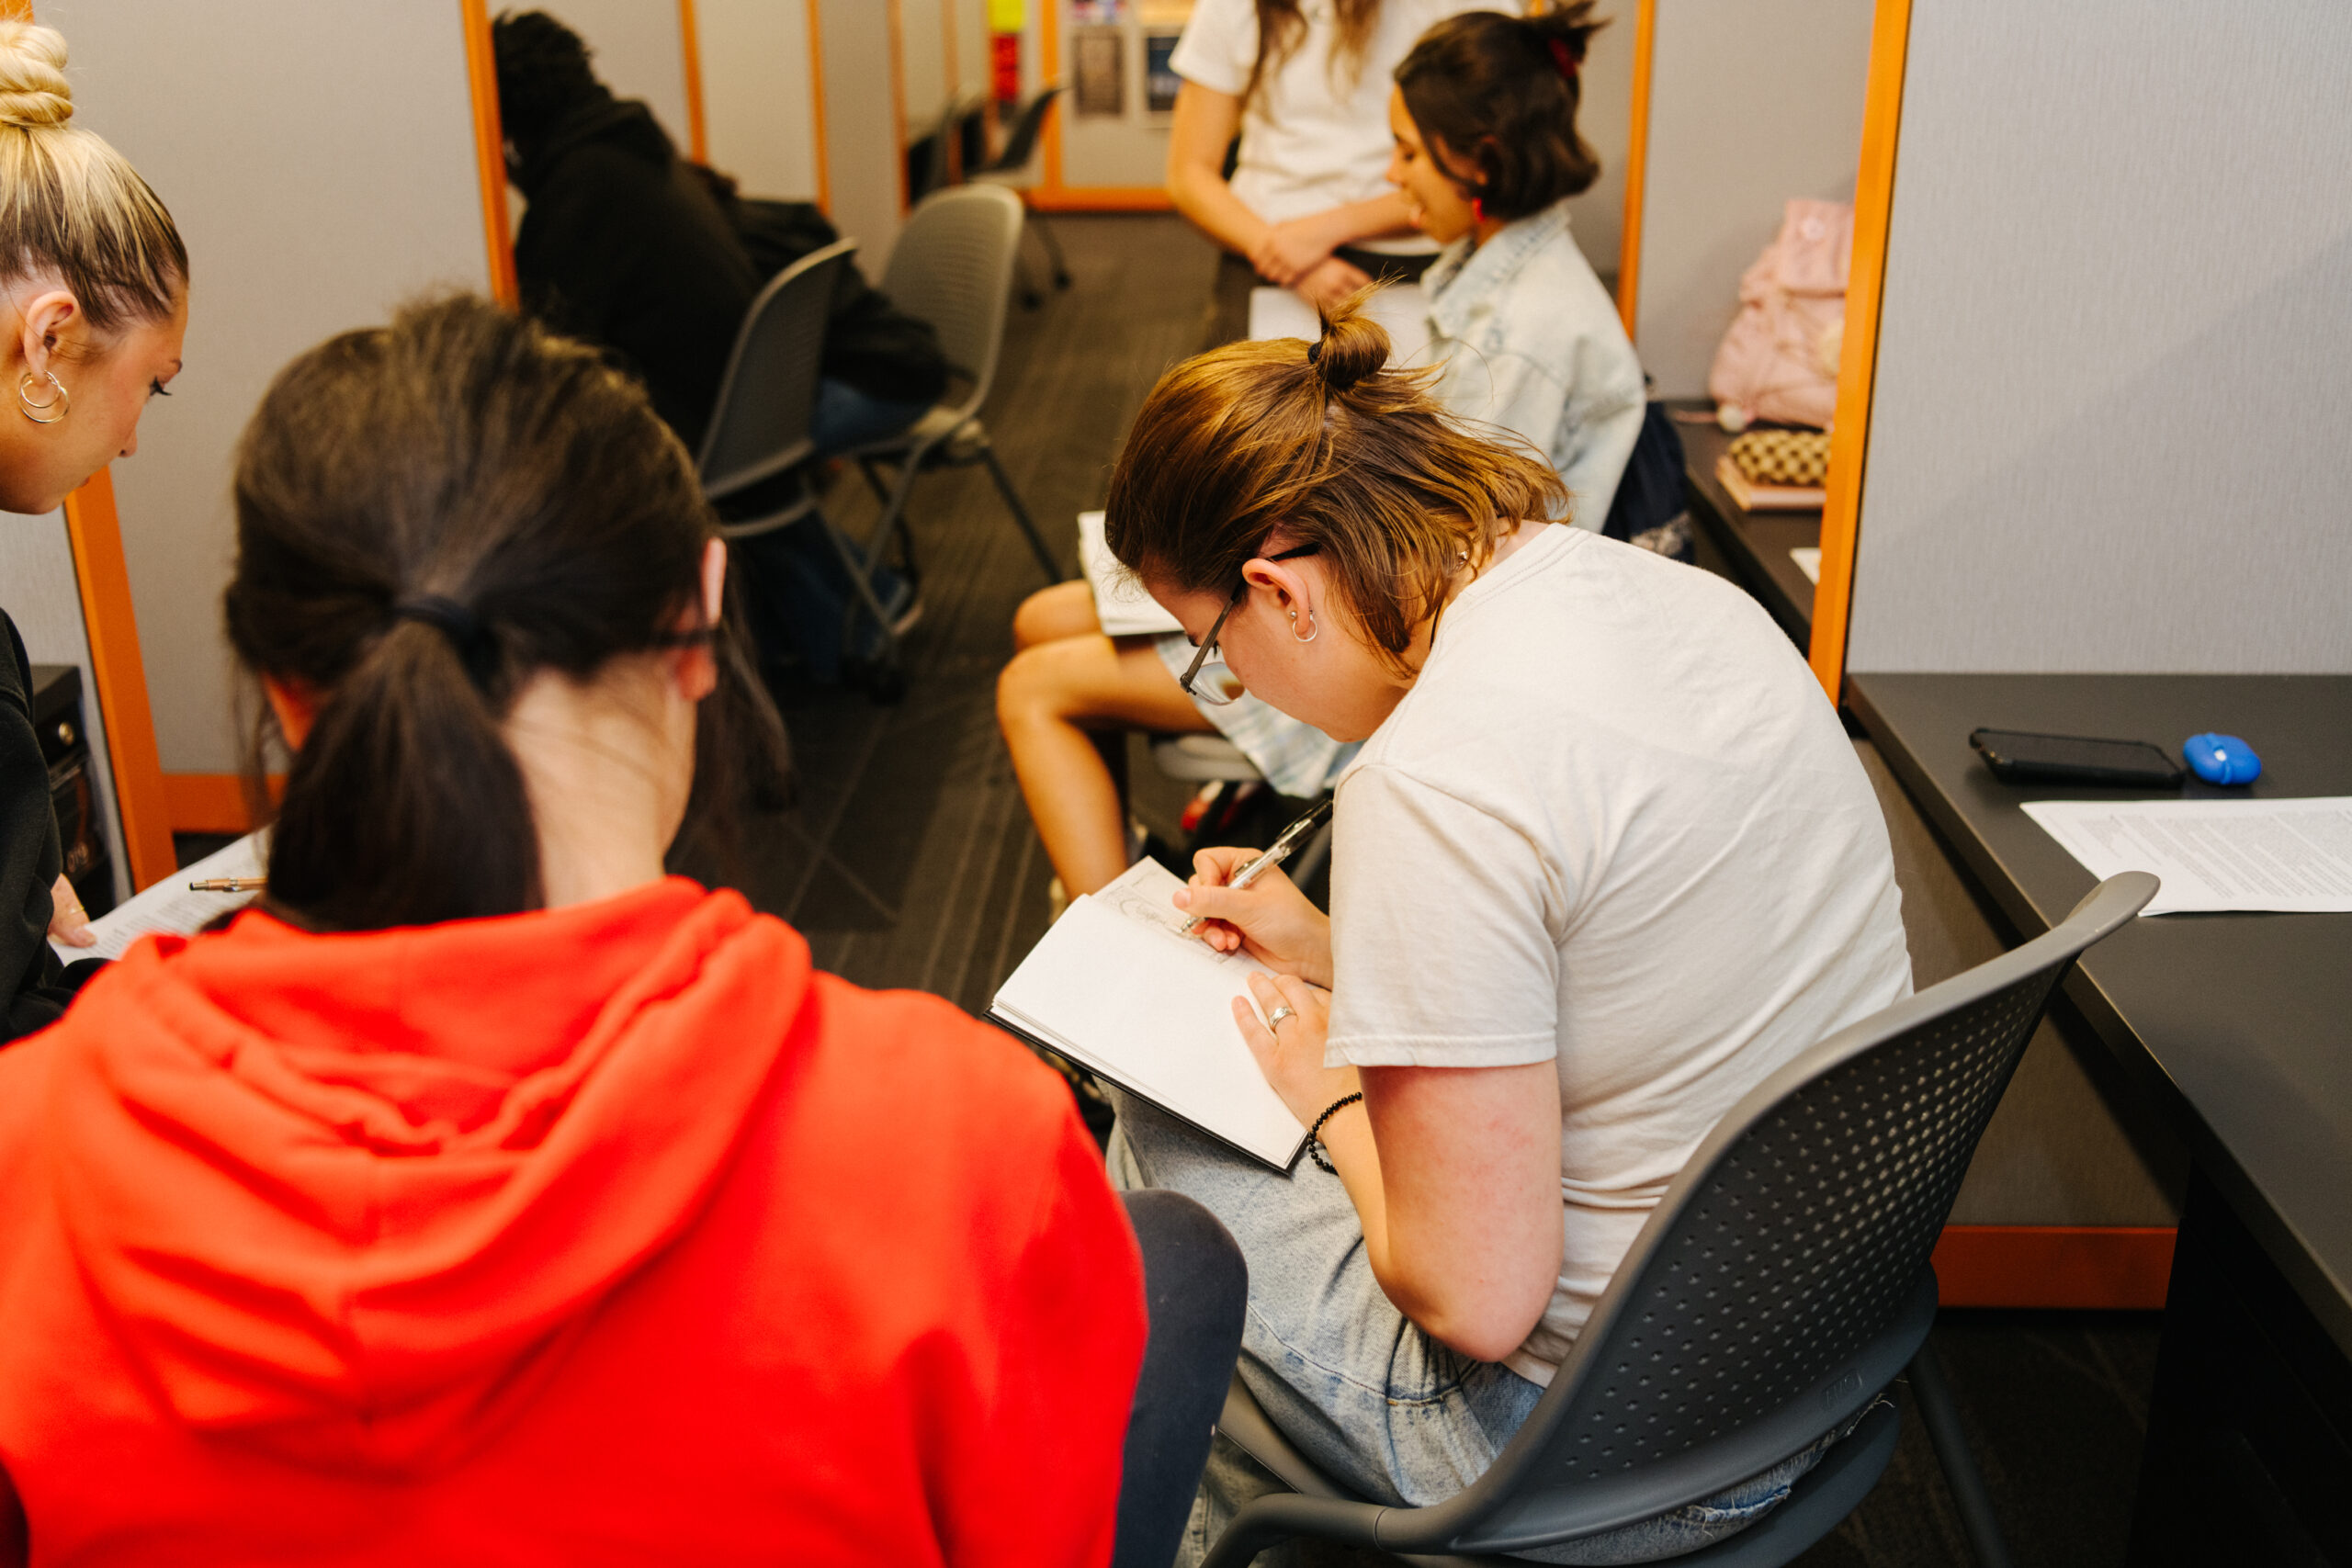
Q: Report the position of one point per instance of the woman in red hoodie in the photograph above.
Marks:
(486, 1195)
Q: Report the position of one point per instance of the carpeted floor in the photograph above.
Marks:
(910, 862)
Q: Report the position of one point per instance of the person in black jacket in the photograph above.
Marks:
(93, 313)
(655, 259)
(622, 245)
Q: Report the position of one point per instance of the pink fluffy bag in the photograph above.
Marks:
(1779, 361)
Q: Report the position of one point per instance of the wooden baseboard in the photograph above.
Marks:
(2078, 1268)
(212, 803)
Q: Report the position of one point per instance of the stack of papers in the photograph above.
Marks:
(170, 905)
(1120, 602)
(1117, 988)
(2289, 855)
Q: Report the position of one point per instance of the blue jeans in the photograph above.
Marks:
(846, 417)
(1375, 1403)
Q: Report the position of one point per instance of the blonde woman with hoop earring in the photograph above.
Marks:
(92, 311)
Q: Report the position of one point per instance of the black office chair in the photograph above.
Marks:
(1782, 1283)
(754, 455)
(1010, 169)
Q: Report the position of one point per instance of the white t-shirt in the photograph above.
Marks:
(1615, 826)
(1316, 134)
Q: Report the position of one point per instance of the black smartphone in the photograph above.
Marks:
(2018, 756)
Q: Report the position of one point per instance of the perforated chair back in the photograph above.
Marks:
(1783, 1279)
(768, 397)
(953, 267)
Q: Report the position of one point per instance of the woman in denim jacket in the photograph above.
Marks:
(1488, 156)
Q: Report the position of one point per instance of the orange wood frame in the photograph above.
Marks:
(119, 672)
(1841, 516)
(817, 109)
(899, 96)
(690, 49)
(1638, 166)
(490, 151)
(2080, 1268)
(1049, 193)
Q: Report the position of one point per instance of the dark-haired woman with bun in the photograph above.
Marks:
(1484, 113)
(95, 283)
(486, 1195)
(1605, 861)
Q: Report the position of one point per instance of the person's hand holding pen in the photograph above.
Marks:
(1271, 919)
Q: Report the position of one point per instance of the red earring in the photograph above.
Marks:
(1478, 210)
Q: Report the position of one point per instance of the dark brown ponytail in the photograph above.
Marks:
(429, 513)
(1495, 98)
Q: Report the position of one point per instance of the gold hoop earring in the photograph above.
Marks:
(1311, 629)
(32, 410)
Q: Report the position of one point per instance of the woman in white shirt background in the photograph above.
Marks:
(1605, 861)
(1305, 82)
(1487, 157)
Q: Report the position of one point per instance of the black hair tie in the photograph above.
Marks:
(476, 644)
(1315, 351)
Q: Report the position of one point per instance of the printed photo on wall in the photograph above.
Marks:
(1086, 12)
(1160, 78)
(1098, 63)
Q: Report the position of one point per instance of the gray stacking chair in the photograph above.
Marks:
(1782, 1283)
(759, 428)
(1011, 168)
(953, 267)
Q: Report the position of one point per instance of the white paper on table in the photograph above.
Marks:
(171, 905)
(1117, 987)
(1120, 602)
(1401, 308)
(2289, 855)
(1808, 559)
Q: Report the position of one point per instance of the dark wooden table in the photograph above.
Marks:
(2240, 1027)
(1756, 544)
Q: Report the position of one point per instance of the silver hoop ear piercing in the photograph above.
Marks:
(1311, 629)
(32, 410)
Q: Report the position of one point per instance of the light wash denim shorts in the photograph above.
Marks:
(1374, 1403)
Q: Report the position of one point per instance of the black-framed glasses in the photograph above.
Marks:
(1206, 678)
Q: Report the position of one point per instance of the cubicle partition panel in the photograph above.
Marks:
(312, 200)
(2106, 428)
(763, 100)
(863, 118)
(1744, 104)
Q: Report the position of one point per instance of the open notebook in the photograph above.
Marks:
(1118, 989)
(171, 905)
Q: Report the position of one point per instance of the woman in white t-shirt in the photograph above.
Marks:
(1305, 84)
(1605, 861)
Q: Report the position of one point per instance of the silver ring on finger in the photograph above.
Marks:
(1274, 1019)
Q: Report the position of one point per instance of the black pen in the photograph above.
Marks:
(1284, 846)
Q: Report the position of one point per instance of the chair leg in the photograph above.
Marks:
(1967, 1482)
(861, 574)
(1030, 295)
(1021, 515)
(1283, 1515)
(874, 480)
(1052, 248)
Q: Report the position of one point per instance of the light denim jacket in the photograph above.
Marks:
(1529, 340)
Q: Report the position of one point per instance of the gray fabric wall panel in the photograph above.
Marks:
(318, 158)
(2115, 350)
(1751, 102)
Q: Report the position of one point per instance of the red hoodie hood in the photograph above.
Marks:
(343, 1195)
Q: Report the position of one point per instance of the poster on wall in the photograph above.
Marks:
(1160, 78)
(1100, 91)
(1097, 13)
(1164, 13)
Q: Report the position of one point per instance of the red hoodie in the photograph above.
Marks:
(610, 1233)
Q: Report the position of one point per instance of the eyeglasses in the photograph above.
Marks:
(1206, 678)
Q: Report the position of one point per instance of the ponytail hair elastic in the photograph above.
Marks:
(1315, 351)
(1564, 59)
(476, 644)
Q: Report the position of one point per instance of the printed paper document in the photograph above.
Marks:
(2290, 855)
(169, 906)
(1120, 602)
(1117, 988)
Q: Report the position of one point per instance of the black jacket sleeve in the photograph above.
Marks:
(29, 856)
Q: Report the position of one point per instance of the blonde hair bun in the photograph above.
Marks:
(1352, 346)
(34, 94)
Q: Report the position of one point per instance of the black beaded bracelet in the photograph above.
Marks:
(1315, 1133)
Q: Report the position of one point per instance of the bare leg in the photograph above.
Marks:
(1053, 701)
(1066, 609)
